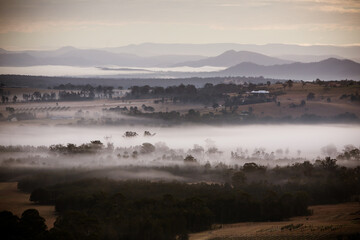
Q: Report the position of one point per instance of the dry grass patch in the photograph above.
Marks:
(327, 222)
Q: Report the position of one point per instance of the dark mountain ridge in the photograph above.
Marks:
(232, 57)
(328, 69)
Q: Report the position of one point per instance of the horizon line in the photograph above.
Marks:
(178, 43)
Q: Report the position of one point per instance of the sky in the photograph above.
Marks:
(51, 24)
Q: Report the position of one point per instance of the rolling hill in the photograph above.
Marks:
(231, 57)
(328, 69)
(70, 56)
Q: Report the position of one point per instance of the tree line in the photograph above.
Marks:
(138, 209)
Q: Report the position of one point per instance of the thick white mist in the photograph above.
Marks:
(94, 71)
(308, 139)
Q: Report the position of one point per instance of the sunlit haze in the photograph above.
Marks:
(40, 24)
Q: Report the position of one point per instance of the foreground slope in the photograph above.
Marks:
(327, 222)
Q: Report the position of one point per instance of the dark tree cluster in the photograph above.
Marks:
(71, 148)
(208, 95)
(147, 108)
(170, 210)
(91, 208)
(22, 116)
(49, 82)
(294, 105)
(352, 97)
(146, 210)
(37, 96)
(29, 226)
(76, 95)
(231, 116)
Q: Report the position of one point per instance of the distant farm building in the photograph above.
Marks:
(260, 92)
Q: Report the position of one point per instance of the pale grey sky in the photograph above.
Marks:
(49, 24)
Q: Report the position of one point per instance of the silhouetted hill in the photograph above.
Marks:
(17, 59)
(331, 68)
(308, 58)
(70, 56)
(214, 49)
(231, 57)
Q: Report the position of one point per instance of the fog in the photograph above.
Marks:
(305, 141)
(97, 71)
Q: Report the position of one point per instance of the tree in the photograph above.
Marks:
(40, 195)
(26, 96)
(147, 148)
(318, 81)
(303, 83)
(53, 96)
(9, 225)
(290, 83)
(329, 163)
(215, 105)
(45, 97)
(208, 85)
(32, 224)
(37, 95)
(190, 159)
(310, 96)
(238, 179)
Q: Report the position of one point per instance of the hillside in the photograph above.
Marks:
(70, 56)
(231, 57)
(328, 69)
(152, 49)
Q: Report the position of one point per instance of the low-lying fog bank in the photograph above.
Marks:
(284, 141)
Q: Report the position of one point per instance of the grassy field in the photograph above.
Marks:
(95, 107)
(11, 199)
(327, 222)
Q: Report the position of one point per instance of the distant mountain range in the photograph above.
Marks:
(238, 63)
(311, 58)
(231, 57)
(329, 69)
(213, 49)
(70, 56)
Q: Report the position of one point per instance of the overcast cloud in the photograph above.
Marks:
(48, 24)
